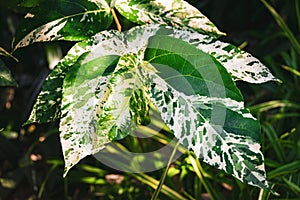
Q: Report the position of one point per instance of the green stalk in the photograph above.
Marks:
(292, 186)
(163, 177)
(297, 5)
(199, 172)
(148, 180)
(274, 141)
(42, 188)
(283, 26)
(293, 71)
(144, 178)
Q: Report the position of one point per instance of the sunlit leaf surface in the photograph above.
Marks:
(6, 78)
(194, 93)
(103, 88)
(72, 20)
(177, 13)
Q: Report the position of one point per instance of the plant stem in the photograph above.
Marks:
(199, 172)
(298, 12)
(163, 177)
(42, 188)
(283, 26)
(119, 27)
(148, 180)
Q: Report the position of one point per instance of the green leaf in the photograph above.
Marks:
(215, 125)
(29, 3)
(6, 78)
(72, 20)
(177, 13)
(240, 64)
(202, 74)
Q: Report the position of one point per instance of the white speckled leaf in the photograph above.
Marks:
(72, 20)
(47, 107)
(215, 125)
(236, 154)
(96, 95)
(6, 79)
(236, 62)
(85, 87)
(177, 13)
(107, 88)
(240, 64)
(115, 120)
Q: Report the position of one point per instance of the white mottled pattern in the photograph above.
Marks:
(208, 137)
(44, 33)
(80, 124)
(176, 12)
(240, 64)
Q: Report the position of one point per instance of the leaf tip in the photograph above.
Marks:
(28, 121)
(66, 170)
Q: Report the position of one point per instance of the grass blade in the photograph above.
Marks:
(199, 172)
(297, 5)
(148, 180)
(292, 186)
(294, 71)
(289, 168)
(42, 188)
(283, 26)
(274, 141)
(163, 177)
(265, 106)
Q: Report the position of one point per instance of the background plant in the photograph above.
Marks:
(186, 167)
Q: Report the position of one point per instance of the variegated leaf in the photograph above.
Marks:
(72, 20)
(232, 147)
(240, 64)
(96, 103)
(6, 78)
(214, 124)
(202, 73)
(48, 104)
(195, 94)
(85, 88)
(124, 83)
(177, 13)
(47, 107)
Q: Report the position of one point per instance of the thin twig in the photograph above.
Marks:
(119, 27)
(163, 177)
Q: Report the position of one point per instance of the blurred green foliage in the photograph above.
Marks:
(31, 163)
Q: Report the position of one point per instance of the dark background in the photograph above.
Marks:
(28, 153)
